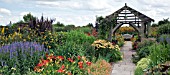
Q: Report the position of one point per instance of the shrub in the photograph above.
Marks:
(159, 54)
(141, 66)
(107, 50)
(145, 43)
(74, 43)
(101, 67)
(164, 39)
(20, 56)
(164, 29)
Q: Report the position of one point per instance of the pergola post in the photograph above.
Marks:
(148, 28)
(142, 29)
(110, 33)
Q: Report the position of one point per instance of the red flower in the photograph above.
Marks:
(62, 67)
(71, 60)
(60, 57)
(88, 63)
(51, 57)
(40, 64)
(88, 34)
(45, 61)
(79, 57)
(60, 71)
(46, 54)
(80, 64)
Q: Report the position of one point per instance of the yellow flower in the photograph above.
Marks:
(49, 46)
(13, 68)
(3, 30)
(24, 40)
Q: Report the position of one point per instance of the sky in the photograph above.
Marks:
(78, 12)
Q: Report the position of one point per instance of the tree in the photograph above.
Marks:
(155, 25)
(89, 25)
(28, 17)
(58, 24)
(164, 21)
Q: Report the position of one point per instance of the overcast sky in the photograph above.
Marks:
(78, 12)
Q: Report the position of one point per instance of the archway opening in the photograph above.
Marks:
(127, 31)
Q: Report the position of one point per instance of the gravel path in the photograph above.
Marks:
(125, 67)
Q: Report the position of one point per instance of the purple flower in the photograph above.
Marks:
(21, 51)
(168, 40)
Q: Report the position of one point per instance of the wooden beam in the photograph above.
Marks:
(126, 16)
(128, 19)
(125, 13)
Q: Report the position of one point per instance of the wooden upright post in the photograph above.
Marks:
(142, 29)
(148, 28)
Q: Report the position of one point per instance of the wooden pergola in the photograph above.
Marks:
(127, 15)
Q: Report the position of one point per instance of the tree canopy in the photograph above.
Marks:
(28, 17)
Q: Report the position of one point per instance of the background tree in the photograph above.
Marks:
(58, 24)
(89, 25)
(164, 21)
(28, 17)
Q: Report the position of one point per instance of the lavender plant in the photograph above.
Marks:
(165, 38)
(21, 56)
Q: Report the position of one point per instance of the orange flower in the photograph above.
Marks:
(88, 63)
(71, 60)
(80, 64)
(60, 57)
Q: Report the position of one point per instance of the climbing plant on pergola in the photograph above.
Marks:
(127, 15)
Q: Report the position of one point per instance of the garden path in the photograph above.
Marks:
(126, 66)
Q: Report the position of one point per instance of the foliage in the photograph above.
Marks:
(141, 66)
(138, 71)
(19, 57)
(160, 69)
(164, 39)
(101, 67)
(164, 29)
(143, 63)
(159, 54)
(89, 25)
(106, 50)
(59, 65)
(142, 50)
(28, 17)
(58, 24)
(74, 43)
(164, 21)
(144, 43)
(120, 39)
(154, 32)
(104, 26)
(50, 40)
(154, 25)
